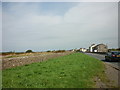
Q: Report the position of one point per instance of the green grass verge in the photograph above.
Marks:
(76, 70)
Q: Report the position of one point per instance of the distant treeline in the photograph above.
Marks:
(7, 53)
(54, 51)
(30, 51)
(57, 51)
(118, 49)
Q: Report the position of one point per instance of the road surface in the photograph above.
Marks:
(102, 58)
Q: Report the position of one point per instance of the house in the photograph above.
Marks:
(100, 48)
(91, 48)
(83, 49)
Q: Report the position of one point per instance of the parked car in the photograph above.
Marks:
(113, 56)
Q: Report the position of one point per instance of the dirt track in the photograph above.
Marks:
(18, 61)
(112, 80)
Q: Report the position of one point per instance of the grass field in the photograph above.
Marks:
(76, 70)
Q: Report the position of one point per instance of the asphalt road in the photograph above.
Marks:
(102, 58)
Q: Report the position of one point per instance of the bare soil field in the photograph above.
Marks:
(9, 61)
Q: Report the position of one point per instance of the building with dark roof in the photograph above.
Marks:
(99, 48)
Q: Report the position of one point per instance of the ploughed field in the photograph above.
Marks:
(13, 60)
(71, 70)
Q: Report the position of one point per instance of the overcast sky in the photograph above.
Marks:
(0, 26)
(58, 25)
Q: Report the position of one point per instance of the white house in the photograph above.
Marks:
(98, 48)
(83, 49)
(91, 48)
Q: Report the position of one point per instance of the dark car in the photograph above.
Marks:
(113, 56)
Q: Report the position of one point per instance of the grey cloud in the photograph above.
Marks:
(80, 26)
